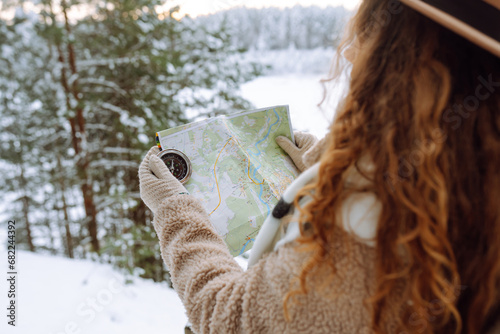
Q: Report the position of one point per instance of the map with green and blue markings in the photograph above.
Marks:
(239, 172)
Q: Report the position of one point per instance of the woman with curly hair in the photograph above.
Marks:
(397, 229)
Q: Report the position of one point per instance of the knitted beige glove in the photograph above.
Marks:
(156, 182)
(304, 142)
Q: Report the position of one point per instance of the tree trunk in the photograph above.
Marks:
(26, 210)
(69, 237)
(51, 246)
(78, 134)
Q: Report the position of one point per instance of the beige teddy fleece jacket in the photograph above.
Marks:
(222, 298)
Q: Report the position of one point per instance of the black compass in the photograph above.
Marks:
(178, 164)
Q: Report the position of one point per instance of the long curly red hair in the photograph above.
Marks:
(424, 105)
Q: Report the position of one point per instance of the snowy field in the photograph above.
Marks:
(61, 296)
(294, 79)
(302, 93)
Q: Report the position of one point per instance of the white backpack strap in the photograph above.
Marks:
(267, 234)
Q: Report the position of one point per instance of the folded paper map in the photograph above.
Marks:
(238, 170)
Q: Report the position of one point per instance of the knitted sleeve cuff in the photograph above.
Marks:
(312, 155)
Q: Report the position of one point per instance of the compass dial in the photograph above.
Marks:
(178, 164)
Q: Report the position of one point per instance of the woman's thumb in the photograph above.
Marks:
(286, 144)
(159, 168)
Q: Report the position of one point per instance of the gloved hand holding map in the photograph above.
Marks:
(236, 168)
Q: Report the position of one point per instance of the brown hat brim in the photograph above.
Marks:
(476, 35)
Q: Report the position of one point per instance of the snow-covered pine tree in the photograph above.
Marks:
(141, 71)
(33, 138)
(110, 80)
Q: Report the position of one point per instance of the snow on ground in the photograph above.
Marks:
(57, 295)
(302, 93)
(61, 296)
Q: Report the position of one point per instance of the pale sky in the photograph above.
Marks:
(200, 7)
